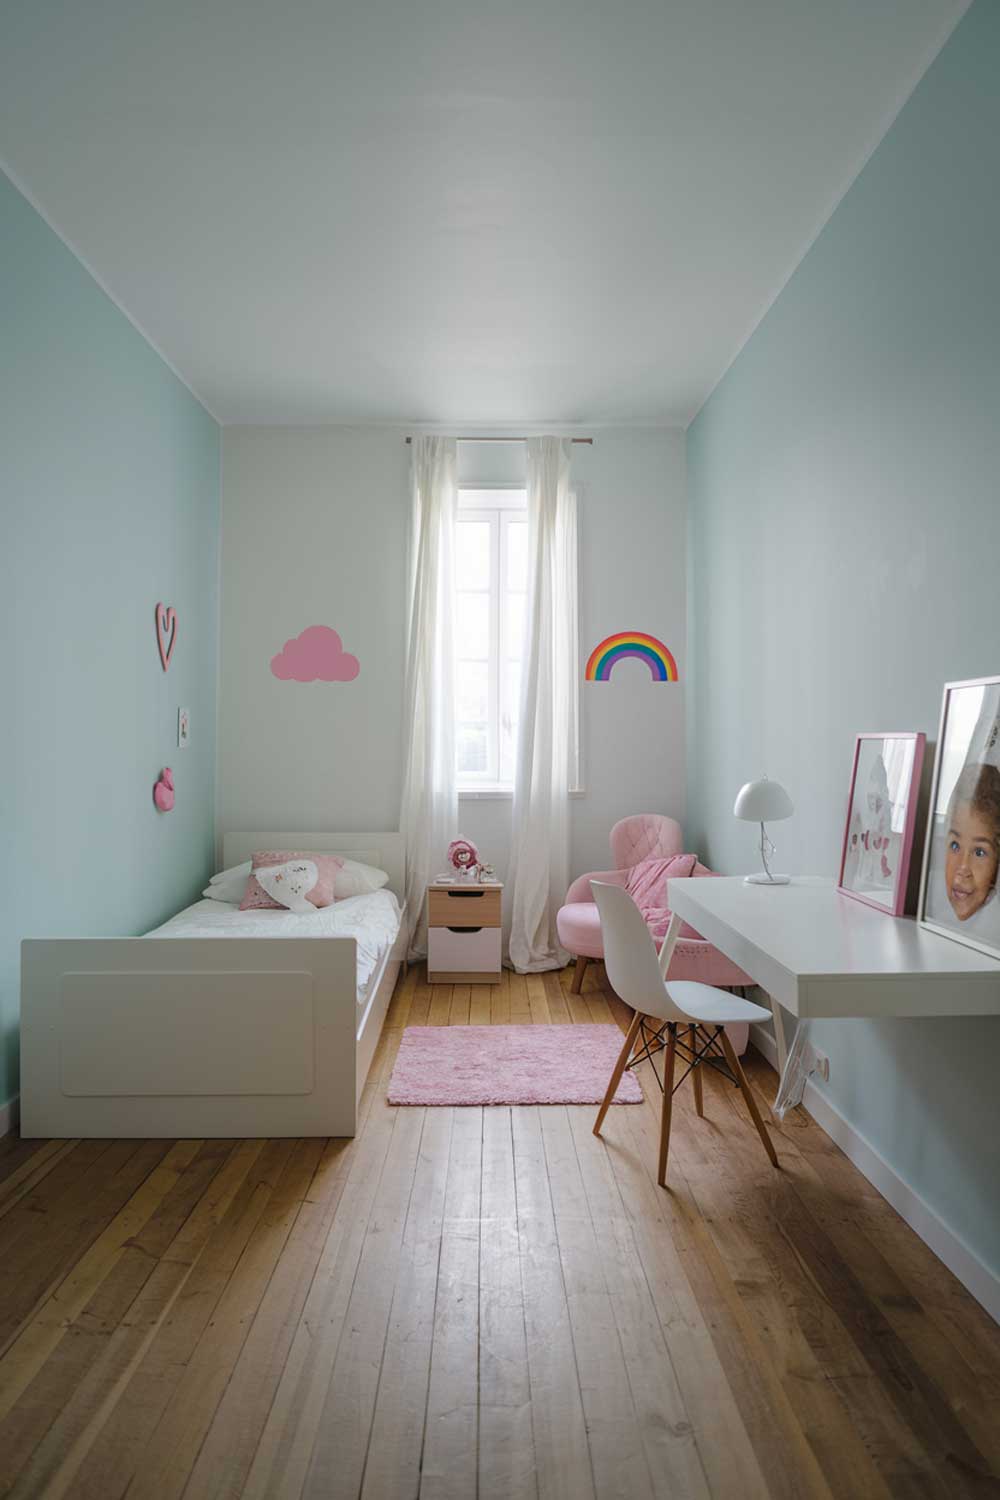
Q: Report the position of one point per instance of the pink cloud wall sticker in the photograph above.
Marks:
(316, 654)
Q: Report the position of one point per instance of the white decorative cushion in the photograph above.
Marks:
(228, 885)
(289, 883)
(356, 879)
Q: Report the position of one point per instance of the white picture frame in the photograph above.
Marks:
(958, 881)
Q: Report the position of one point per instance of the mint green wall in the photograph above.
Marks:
(844, 484)
(109, 501)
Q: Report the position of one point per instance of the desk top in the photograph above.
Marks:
(821, 954)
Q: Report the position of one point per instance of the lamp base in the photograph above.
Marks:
(763, 879)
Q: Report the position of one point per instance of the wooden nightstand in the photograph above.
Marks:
(463, 933)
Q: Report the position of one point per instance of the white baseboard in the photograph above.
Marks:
(949, 1247)
(10, 1113)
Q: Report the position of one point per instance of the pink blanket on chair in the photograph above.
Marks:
(647, 885)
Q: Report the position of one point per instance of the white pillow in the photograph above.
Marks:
(288, 883)
(229, 885)
(357, 880)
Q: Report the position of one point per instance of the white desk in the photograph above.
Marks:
(818, 953)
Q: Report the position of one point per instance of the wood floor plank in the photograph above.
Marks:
(24, 1166)
(450, 1458)
(281, 1460)
(37, 1340)
(500, 1002)
(392, 1466)
(506, 1440)
(61, 1402)
(55, 1466)
(562, 1454)
(555, 997)
(440, 1006)
(479, 1004)
(460, 1001)
(178, 1302)
(520, 1006)
(618, 1455)
(537, 999)
(667, 1431)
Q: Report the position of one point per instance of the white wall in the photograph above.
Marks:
(314, 532)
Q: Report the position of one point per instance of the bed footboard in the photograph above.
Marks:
(174, 1037)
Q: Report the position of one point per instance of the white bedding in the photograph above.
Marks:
(372, 920)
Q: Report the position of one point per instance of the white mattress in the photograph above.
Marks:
(372, 920)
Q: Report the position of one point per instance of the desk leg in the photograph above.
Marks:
(669, 943)
(779, 1038)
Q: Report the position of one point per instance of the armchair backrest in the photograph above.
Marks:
(645, 836)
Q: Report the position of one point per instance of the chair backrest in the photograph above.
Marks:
(630, 955)
(644, 836)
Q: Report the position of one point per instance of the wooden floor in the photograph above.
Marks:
(482, 1302)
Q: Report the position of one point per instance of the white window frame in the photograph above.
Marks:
(499, 506)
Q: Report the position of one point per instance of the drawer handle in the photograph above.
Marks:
(465, 929)
(463, 895)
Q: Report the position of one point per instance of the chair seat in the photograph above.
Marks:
(703, 1002)
(579, 928)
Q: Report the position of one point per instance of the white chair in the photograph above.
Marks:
(700, 1011)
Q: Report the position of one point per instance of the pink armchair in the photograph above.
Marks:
(644, 836)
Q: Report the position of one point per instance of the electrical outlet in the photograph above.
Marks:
(823, 1066)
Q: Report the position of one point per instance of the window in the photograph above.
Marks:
(490, 581)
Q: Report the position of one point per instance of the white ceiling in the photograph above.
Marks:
(456, 210)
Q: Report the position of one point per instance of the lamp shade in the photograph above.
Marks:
(763, 801)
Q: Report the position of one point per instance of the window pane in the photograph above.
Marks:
(508, 751)
(470, 747)
(472, 625)
(513, 626)
(472, 687)
(472, 554)
(510, 689)
(517, 554)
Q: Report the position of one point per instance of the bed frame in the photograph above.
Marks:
(232, 1037)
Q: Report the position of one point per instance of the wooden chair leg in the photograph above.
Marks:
(699, 1099)
(619, 1068)
(741, 1079)
(668, 1101)
(578, 972)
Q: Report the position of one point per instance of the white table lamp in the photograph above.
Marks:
(763, 802)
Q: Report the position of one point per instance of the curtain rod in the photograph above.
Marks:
(589, 441)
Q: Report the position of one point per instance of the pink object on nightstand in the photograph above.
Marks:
(163, 791)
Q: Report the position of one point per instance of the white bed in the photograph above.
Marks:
(268, 1033)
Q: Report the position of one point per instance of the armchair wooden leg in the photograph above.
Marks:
(578, 973)
(668, 1102)
(699, 1100)
(741, 1079)
(619, 1068)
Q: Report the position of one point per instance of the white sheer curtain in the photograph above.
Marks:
(429, 813)
(539, 863)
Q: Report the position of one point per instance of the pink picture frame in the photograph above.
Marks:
(881, 818)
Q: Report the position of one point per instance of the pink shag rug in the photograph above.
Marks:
(509, 1065)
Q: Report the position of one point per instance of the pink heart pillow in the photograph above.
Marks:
(255, 898)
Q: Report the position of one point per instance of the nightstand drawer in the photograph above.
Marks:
(473, 951)
(458, 908)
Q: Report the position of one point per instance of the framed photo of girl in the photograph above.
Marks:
(958, 884)
(881, 812)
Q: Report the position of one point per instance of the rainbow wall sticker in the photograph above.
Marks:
(605, 657)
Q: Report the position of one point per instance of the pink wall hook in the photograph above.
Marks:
(163, 791)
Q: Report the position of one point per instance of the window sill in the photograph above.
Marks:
(500, 793)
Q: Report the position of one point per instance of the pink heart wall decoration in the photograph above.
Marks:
(166, 632)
